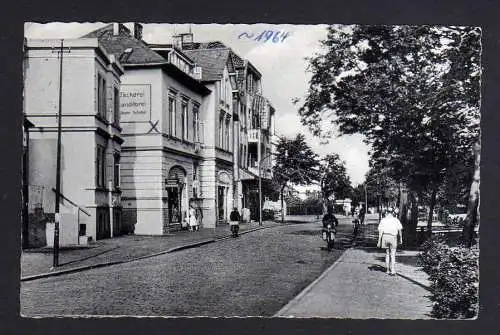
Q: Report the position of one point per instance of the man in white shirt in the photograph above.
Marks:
(389, 236)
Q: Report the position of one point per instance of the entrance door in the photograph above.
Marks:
(174, 205)
(103, 228)
(220, 203)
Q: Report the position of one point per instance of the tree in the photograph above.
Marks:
(472, 210)
(413, 92)
(295, 163)
(334, 179)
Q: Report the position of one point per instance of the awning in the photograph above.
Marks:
(247, 175)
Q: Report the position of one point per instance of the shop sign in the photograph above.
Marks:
(135, 103)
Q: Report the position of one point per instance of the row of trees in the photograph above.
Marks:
(413, 92)
(297, 164)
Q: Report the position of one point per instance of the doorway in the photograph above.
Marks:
(174, 205)
(221, 206)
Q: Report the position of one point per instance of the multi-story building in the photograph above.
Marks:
(253, 118)
(219, 148)
(87, 92)
(187, 126)
(163, 115)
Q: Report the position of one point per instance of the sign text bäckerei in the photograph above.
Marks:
(135, 103)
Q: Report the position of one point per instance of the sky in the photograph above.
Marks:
(283, 67)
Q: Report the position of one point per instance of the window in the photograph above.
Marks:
(255, 118)
(245, 161)
(184, 120)
(101, 96)
(171, 113)
(219, 90)
(196, 123)
(100, 166)
(240, 161)
(227, 134)
(221, 130)
(116, 116)
(116, 170)
(250, 83)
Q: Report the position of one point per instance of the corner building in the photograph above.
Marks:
(90, 137)
(163, 130)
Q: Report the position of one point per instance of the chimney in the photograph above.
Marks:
(116, 29)
(138, 31)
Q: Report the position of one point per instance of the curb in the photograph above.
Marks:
(299, 297)
(100, 265)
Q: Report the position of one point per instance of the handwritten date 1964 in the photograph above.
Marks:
(275, 36)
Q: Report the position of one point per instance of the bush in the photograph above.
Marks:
(454, 276)
(268, 214)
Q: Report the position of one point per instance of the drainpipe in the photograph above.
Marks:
(110, 203)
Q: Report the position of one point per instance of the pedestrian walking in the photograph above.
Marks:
(389, 237)
(193, 221)
(234, 222)
(361, 215)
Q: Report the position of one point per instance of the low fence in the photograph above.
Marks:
(305, 210)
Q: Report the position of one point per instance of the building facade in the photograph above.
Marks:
(90, 138)
(166, 127)
(253, 119)
(163, 115)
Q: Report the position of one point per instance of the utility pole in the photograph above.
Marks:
(260, 179)
(58, 160)
(25, 230)
(378, 200)
(366, 200)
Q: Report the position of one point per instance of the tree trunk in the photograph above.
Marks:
(472, 210)
(431, 211)
(403, 206)
(282, 206)
(410, 231)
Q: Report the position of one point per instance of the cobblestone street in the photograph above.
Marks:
(253, 275)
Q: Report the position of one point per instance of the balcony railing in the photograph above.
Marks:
(253, 135)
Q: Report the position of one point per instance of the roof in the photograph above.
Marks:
(117, 44)
(142, 55)
(212, 61)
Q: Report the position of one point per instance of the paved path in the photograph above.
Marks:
(253, 275)
(123, 248)
(356, 286)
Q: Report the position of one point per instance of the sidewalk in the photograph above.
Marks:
(124, 248)
(356, 286)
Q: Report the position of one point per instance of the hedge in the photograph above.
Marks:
(454, 276)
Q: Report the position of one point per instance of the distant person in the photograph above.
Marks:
(234, 222)
(353, 211)
(361, 215)
(389, 237)
(193, 220)
(329, 218)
